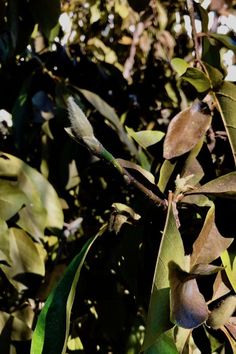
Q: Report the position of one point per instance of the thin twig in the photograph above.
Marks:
(190, 7)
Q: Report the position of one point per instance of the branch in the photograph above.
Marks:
(190, 7)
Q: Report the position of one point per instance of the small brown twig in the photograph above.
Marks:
(190, 7)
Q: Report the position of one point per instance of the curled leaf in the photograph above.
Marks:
(221, 314)
(186, 129)
(187, 304)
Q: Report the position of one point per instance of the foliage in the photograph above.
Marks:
(115, 122)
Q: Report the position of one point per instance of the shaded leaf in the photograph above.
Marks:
(166, 171)
(223, 186)
(171, 249)
(188, 306)
(52, 329)
(108, 112)
(131, 165)
(164, 345)
(186, 129)
(231, 326)
(19, 331)
(215, 76)
(146, 138)
(203, 15)
(226, 98)
(221, 286)
(205, 269)
(210, 244)
(47, 22)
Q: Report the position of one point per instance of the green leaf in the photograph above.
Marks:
(11, 199)
(224, 186)
(27, 256)
(230, 268)
(179, 65)
(226, 97)
(46, 14)
(146, 138)
(171, 249)
(108, 112)
(215, 76)
(166, 171)
(4, 243)
(164, 345)
(197, 79)
(203, 15)
(42, 207)
(52, 329)
(224, 39)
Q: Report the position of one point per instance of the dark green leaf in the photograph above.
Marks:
(52, 329)
(197, 79)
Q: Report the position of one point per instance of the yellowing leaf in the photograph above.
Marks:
(186, 129)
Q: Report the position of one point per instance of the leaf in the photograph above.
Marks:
(224, 39)
(230, 268)
(188, 306)
(186, 129)
(166, 171)
(197, 79)
(171, 249)
(131, 165)
(226, 99)
(146, 138)
(46, 14)
(42, 207)
(179, 65)
(108, 112)
(164, 345)
(52, 328)
(220, 315)
(19, 331)
(203, 15)
(215, 76)
(28, 258)
(4, 243)
(224, 186)
(210, 244)
(221, 286)
(11, 199)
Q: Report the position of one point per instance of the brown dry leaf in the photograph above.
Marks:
(231, 326)
(221, 286)
(186, 129)
(210, 244)
(188, 306)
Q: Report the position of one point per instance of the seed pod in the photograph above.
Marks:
(221, 314)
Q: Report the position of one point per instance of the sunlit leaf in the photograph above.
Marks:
(230, 268)
(52, 329)
(171, 249)
(223, 186)
(179, 65)
(188, 306)
(42, 207)
(11, 199)
(197, 78)
(220, 315)
(28, 258)
(224, 39)
(166, 171)
(4, 243)
(146, 138)
(186, 129)
(210, 244)
(226, 97)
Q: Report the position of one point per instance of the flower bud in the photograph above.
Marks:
(79, 122)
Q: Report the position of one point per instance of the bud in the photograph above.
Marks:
(79, 122)
(221, 314)
(82, 127)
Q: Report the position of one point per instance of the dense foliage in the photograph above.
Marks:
(117, 177)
